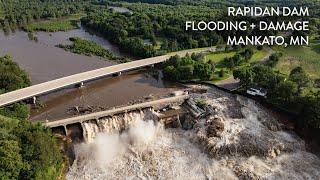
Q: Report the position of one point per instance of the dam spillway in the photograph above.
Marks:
(117, 119)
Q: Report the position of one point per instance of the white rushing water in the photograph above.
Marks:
(115, 123)
(252, 146)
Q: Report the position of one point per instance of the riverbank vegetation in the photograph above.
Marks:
(1, 13)
(27, 151)
(55, 24)
(162, 24)
(19, 13)
(89, 48)
(13, 78)
(152, 29)
(52, 25)
(287, 92)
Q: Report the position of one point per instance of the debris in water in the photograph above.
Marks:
(241, 140)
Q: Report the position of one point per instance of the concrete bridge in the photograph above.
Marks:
(96, 116)
(79, 79)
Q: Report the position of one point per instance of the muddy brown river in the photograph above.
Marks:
(44, 62)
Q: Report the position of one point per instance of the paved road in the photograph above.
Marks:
(43, 88)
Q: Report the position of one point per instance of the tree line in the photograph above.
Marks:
(27, 151)
(89, 48)
(155, 29)
(152, 29)
(13, 78)
(18, 13)
(286, 92)
(187, 68)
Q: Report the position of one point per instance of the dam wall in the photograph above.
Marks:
(118, 119)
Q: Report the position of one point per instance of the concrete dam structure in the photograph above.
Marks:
(118, 119)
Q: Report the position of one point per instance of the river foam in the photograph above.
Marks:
(252, 146)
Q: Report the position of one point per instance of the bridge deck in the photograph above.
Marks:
(77, 119)
(36, 90)
(25, 93)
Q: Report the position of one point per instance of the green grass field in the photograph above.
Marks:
(217, 57)
(216, 77)
(306, 57)
(49, 26)
(53, 25)
(258, 55)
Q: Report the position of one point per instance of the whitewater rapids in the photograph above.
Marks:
(252, 146)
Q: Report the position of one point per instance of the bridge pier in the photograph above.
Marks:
(65, 130)
(117, 74)
(34, 100)
(81, 85)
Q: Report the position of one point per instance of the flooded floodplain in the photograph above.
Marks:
(44, 62)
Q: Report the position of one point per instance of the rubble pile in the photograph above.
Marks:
(241, 131)
(235, 138)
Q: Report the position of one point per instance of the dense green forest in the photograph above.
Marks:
(216, 3)
(13, 78)
(27, 151)
(18, 13)
(152, 29)
(155, 29)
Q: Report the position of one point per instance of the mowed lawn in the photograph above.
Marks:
(306, 57)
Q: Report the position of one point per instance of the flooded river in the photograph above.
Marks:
(105, 93)
(43, 62)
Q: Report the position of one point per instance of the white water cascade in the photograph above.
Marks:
(252, 146)
(115, 123)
